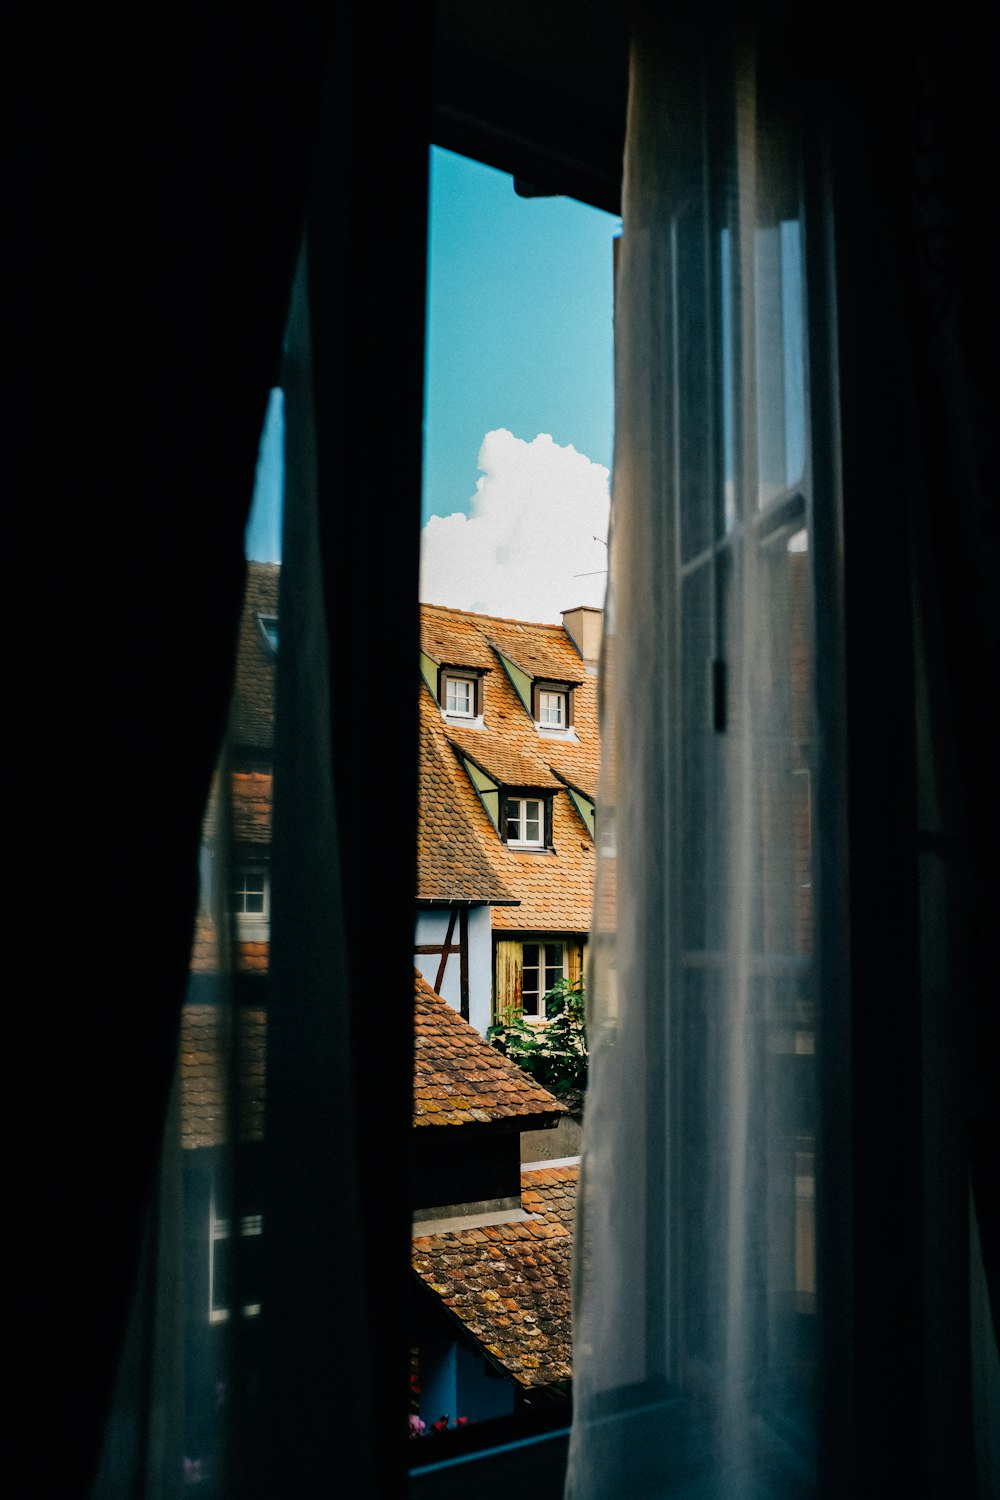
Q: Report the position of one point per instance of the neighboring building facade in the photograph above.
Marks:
(243, 826)
(509, 757)
(490, 1326)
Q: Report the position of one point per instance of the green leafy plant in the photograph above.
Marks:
(555, 1054)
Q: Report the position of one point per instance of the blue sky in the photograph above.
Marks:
(519, 324)
(519, 344)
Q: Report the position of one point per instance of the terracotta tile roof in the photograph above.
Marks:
(544, 651)
(446, 639)
(207, 1059)
(250, 807)
(451, 862)
(507, 765)
(555, 891)
(251, 717)
(509, 1284)
(248, 957)
(458, 1079)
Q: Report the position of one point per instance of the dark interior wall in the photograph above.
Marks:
(157, 181)
(454, 1165)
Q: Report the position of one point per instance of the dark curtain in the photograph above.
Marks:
(159, 172)
(913, 150)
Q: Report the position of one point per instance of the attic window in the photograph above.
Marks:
(552, 706)
(525, 822)
(269, 630)
(458, 696)
(251, 892)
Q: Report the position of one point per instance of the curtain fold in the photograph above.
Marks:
(792, 1003)
(695, 1302)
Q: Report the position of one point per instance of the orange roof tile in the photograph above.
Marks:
(451, 861)
(509, 1284)
(555, 890)
(207, 1063)
(251, 718)
(506, 764)
(458, 1079)
(248, 957)
(251, 798)
(448, 642)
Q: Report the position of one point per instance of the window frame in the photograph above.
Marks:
(250, 920)
(551, 687)
(520, 799)
(474, 681)
(542, 967)
(251, 1226)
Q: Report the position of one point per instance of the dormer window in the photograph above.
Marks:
(552, 708)
(525, 822)
(459, 696)
(251, 893)
(269, 630)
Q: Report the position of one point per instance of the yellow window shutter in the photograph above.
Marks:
(507, 992)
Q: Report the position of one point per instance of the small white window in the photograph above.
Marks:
(526, 821)
(552, 709)
(220, 1269)
(251, 891)
(542, 964)
(460, 697)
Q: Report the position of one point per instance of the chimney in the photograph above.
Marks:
(583, 626)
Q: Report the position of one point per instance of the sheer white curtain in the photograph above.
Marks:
(694, 1320)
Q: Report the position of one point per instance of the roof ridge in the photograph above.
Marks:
(472, 614)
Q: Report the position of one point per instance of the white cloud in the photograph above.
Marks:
(528, 548)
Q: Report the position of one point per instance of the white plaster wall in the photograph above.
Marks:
(432, 927)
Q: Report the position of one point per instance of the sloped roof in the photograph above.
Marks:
(506, 764)
(249, 957)
(207, 1059)
(452, 643)
(251, 797)
(539, 650)
(251, 720)
(458, 1079)
(451, 862)
(555, 891)
(509, 1284)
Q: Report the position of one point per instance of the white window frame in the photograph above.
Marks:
(543, 968)
(241, 870)
(561, 697)
(546, 688)
(463, 677)
(219, 1230)
(521, 804)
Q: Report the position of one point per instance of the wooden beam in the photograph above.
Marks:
(446, 949)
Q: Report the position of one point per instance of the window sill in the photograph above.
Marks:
(548, 732)
(463, 721)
